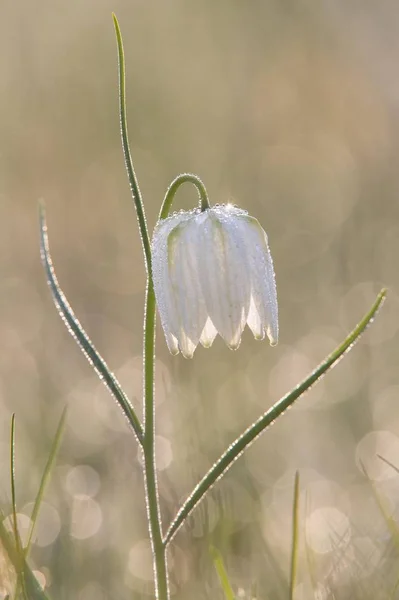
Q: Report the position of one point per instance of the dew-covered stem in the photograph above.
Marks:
(149, 462)
(148, 446)
(174, 186)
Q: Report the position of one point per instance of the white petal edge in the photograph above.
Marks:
(264, 309)
(208, 334)
(161, 279)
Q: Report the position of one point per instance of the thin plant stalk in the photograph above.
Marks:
(174, 186)
(55, 446)
(222, 573)
(148, 448)
(18, 545)
(295, 536)
(150, 473)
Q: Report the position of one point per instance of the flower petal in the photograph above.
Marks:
(263, 284)
(213, 273)
(183, 250)
(208, 334)
(160, 273)
(223, 278)
(255, 322)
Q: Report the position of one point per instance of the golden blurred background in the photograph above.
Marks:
(289, 109)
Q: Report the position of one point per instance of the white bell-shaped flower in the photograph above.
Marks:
(213, 273)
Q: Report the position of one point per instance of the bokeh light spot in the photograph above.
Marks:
(23, 524)
(92, 591)
(41, 578)
(327, 529)
(164, 453)
(86, 517)
(371, 447)
(83, 480)
(48, 524)
(140, 561)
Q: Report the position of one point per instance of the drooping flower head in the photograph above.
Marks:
(213, 273)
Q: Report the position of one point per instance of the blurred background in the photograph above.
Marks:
(290, 109)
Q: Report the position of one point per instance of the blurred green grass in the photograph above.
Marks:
(290, 109)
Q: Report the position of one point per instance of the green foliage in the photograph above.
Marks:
(26, 584)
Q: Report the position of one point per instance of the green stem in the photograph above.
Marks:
(295, 536)
(174, 186)
(148, 447)
(150, 475)
(219, 468)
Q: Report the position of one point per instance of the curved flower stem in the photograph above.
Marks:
(148, 446)
(219, 468)
(174, 186)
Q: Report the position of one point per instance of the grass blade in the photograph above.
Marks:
(17, 555)
(295, 535)
(33, 589)
(222, 573)
(390, 522)
(19, 567)
(388, 462)
(45, 477)
(243, 441)
(76, 330)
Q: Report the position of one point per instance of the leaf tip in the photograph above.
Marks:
(383, 293)
(116, 23)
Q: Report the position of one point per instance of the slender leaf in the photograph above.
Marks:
(268, 418)
(309, 553)
(45, 477)
(390, 522)
(76, 330)
(133, 181)
(388, 462)
(295, 535)
(18, 546)
(222, 573)
(33, 589)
